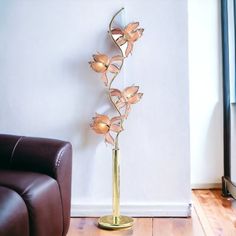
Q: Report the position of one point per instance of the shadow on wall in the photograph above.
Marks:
(214, 139)
(92, 97)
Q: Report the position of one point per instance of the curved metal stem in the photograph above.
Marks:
(112, 80)
(109, 87)
(110, 24)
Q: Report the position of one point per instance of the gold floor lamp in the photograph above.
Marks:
(121, 100)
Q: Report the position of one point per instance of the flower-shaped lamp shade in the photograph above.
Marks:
(126, 98)
(102, 124)
(109, 67)
(102, 64)
(130, 34)
(121, 100)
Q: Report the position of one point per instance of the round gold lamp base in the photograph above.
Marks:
(113, 223)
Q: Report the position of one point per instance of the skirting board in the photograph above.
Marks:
(206, 186)
(160, 210)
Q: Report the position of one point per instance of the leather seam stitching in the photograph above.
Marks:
(58, 160)
(14, 149)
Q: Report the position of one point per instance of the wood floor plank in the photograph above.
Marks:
(221, 219)
(201, 216)
(212, 215)
(80, 226)
(88, 227)
(178, 226)
(143, 227)
(227, 207)
(196, 224)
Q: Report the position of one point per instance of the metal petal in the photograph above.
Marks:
(116, 119)
(127, 111)
(121, 41)
(135, 98)
(136, 35)
(115, 92)
(130, 91)
(129, 49)
(120, 104)
(140, 31)
(109, 139)
(113, 68)
(116, 128)
(98, 66)
(100, 128)
(102, 118)
(117, 58)
(103, 58)
(104, 79)
(131, 26)
(101, 124)
(117, 31)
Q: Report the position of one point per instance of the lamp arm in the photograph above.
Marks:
(112, 80)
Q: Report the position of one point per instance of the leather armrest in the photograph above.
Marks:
(47, 156)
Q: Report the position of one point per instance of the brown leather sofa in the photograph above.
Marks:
(35, 186)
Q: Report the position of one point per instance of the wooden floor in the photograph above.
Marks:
(212, 215)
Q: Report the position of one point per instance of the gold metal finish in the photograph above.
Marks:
(109, 87)
(115, 221)
(108, 222)
(110, 128)
(116, 183)
(110, 67)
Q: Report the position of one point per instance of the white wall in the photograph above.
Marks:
(205, 75)
(47, 89)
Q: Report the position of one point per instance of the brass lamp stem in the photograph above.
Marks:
(115, 186)
(112, 80)
(115, 221)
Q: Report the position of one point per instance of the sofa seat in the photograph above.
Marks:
(35, 190)
(13, 214)
(35, 186)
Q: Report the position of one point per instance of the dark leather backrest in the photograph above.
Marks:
(47, 156)
(7, 145)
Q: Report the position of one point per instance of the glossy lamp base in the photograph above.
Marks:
(113, 223)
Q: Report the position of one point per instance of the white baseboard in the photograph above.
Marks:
(138, 210)
(206, 186)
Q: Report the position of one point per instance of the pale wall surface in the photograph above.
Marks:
(206, 108)
(47, 89)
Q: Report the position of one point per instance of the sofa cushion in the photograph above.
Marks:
(14, 220)
(42, 197)
(46, 156)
